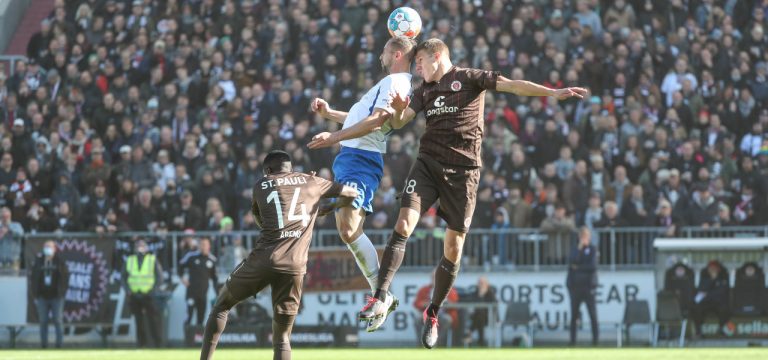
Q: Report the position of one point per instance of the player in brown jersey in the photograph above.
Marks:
(285, 206)
(448, 165)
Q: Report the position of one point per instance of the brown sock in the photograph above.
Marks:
(217, 320)
(393, 257)
(282, 325)
(445, 275)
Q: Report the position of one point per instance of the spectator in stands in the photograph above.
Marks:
(635, 210)
(98, 204)
(594, 212)
(724, 216)
(99, 170)
(144, 216)
(666, 220)
(188, 215)
(611, 217)
(748, 208)
(48, 286)
(520, 212)
(576, 191)
(620, 188)
(582, 282)
(712, 296)
(558, 228)
(702, 210)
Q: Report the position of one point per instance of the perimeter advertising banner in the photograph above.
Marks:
(89, 262)
(333, 270)
(546, 292)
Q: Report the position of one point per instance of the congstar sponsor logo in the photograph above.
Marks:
(440, 107)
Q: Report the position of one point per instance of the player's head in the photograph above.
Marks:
(429, 54)
(585, 236)
(205, 246)
(141, 246)
(277, 161)
(398, 51)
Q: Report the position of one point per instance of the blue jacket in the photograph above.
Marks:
(582, 268)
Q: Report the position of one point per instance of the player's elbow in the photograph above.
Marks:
(348, 192)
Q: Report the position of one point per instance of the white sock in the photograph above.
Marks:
(367, 259)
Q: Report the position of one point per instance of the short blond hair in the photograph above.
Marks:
(432, 46)
(404, 44)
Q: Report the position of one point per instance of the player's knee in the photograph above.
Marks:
(452, 253)
(348, 233)
(405, 227)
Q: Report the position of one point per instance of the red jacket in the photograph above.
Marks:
(424, 296)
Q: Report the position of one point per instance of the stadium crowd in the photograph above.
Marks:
(148, 115)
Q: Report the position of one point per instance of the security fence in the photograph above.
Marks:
(484, 249)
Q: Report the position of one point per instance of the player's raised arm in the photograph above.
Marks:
(322, 108)
(366, 126)
(527, 88)
(403, 114)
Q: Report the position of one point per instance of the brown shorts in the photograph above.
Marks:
(249, 279)
(455, 187)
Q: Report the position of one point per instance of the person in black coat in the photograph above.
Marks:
(582, 281)
(703, 207)
(196, 270)
(483, 293)
(48, 285)
(712, 296)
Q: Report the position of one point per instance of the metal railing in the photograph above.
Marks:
(8, 63)
(484, 249)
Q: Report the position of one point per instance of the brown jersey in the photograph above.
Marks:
(454, 109)
(286, 204)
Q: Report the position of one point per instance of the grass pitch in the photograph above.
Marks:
(401, 354)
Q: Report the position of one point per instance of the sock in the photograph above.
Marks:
(217, 320)
(390, 262)
(432, 310)
(282, 325)
(445, 275)
(367, 259)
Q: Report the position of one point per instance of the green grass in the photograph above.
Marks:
(402, 354)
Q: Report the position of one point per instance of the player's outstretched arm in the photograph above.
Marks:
(527, 88)
(403, 114)
(322, 108)
(366, 126)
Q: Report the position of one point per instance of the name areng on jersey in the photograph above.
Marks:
(297, 180)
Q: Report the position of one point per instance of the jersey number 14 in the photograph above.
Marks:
(292, 216)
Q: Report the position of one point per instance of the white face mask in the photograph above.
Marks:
(142, 250)
(48, 251)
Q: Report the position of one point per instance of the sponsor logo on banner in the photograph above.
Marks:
(738, 328)
(545, 291)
